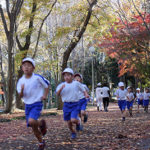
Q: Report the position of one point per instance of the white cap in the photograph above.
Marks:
(121, 84)
(99, 84)
(78, 74)
(29, 60)
(138, 89)
(68, 70)
(128, 87)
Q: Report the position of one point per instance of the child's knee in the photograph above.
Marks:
(73, 120)
(32, 122)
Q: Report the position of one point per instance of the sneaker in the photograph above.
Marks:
(123, 119)
(43, 127)
(42, 145)
(85, 118)
(73, 135)
(97, 108)
(79, 127)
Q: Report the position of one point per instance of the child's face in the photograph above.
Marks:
(146, 90)
(27, 68)
(122, 87)
(77, 78)
(68, 77)
(129, 89)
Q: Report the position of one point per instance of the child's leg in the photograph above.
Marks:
(70, 126)
(35, 127)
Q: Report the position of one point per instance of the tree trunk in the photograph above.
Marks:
(77, 34)
(10, 75)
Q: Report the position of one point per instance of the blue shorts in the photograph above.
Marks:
(122, 104)
(146, 102)
(140, 102)
(33, 111)
(70, 110)
(82, 104)
(129, 104)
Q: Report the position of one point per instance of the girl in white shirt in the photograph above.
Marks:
(99, 97)
(130, 100)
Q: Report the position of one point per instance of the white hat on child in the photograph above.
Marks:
(99, 84)
(29, 60)
(68, 70)
(138, 89)
(121, 84)
(78, 74)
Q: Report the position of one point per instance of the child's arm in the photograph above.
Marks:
(22, 89)
(45, 93)
(59, 91)
(86, 94)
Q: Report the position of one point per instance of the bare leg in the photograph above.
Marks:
(35, 127)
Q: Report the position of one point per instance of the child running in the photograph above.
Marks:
(130, 100)
(83, 100)
(99, 97)
(146, 96)
(121, 94)
(69, 92)
(139, 98)
(33, 89)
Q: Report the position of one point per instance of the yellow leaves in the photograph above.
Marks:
(62, 31)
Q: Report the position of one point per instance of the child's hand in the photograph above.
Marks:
(22, 87)
(43, 97)
(87, 96)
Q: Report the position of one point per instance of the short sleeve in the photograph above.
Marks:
(80, 86)
(59, 86)
(86, 88)
(19, 86)
(45, 83)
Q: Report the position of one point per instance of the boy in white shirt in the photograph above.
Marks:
(33, 89)
(69, 91)
(146, 96)
(105, 95)
(130, 100)
(139, 98)
(121, 94)
(99, 97)
(82, 99)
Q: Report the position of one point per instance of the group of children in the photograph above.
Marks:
(126, 98)
(33, 88)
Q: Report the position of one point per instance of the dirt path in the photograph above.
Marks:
(103, 131)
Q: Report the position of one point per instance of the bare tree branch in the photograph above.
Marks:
(7, 7)
(39, 33)
(4, 21)
(73, 44)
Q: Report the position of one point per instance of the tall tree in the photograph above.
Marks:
(13, 11)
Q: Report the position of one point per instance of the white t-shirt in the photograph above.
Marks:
(105, 92)
(146, 96)
(33, 88)
(130, 96)
(70, 93)
(98, 92)
(81, 93)
(139, 96)
(121, 94)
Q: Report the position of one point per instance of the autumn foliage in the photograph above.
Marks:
(128, 42)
